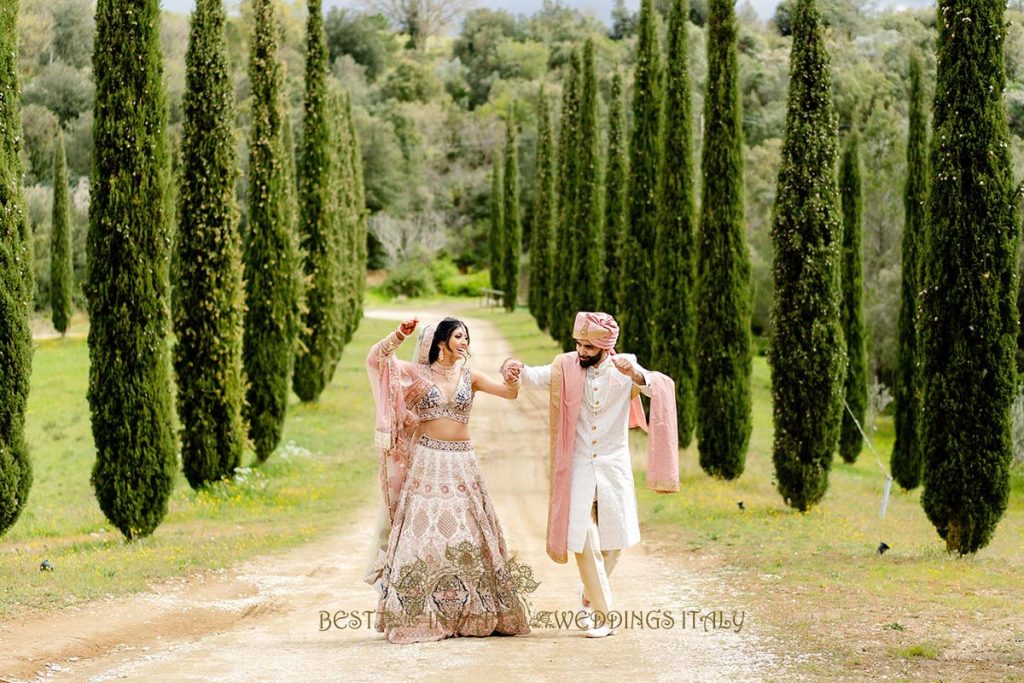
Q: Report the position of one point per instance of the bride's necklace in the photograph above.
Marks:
(446, 371)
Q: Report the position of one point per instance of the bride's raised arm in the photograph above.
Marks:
(386, 346)
(482, 382)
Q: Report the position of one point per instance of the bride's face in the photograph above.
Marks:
(458, 343)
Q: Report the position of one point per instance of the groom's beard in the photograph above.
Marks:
(592, 361)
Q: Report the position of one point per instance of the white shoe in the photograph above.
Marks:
(600, 632)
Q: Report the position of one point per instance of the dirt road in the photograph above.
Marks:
(263, 620)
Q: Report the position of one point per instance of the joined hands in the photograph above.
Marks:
(511, 371)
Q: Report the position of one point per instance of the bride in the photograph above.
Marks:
(441, 567)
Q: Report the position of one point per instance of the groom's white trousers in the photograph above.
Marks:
(595, 567)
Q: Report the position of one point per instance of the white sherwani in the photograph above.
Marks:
(601, 466)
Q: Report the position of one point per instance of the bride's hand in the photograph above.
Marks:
(511, 370)
(408, 326)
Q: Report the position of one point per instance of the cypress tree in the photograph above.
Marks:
(543, 218)
(322, 332)
(61, 277)
(127, 286)
(495, 243)
(512, 233)
(346, 224)
(208, 305)
(645, 163)
(269, 245)
(288, 157)
(674, 331)
(1020, 304)
(15, 284)
(969, 322)
(850, 439)
(807, 351)
(906, 459)
(561, 319)
(359, 208)
(588, 226)
(723, 284)
(355, 261)
(616, 198)
(28, 249)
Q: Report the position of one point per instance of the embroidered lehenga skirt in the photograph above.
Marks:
(447, 571)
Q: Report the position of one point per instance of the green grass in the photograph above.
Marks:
(922, 650)
(325, 467)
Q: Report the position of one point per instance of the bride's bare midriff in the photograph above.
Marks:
(444, 429)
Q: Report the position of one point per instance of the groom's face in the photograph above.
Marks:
(590, 355)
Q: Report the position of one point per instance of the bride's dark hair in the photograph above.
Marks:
(442, 333)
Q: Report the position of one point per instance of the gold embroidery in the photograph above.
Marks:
(555, 410)
(663, 485)
(439, 593)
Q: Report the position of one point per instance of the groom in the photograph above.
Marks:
(592, 503)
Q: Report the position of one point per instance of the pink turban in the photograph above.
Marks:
(599, 329)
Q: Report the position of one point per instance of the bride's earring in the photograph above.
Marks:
(442, 356)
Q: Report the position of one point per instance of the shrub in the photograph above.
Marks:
(443, 270)
(411, 279)
(450, 282)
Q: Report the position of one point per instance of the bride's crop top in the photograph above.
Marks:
(432, 407)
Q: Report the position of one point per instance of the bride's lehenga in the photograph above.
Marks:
(446, 570)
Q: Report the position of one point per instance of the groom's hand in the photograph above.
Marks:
(626, 368)
(511, 371)
(408, 327)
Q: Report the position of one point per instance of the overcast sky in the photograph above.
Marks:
(599, 8)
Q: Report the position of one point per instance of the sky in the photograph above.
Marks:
(602, 9)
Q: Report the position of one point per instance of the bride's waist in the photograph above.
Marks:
(445, 429)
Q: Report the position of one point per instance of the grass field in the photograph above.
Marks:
(324, 467)
(816, 578)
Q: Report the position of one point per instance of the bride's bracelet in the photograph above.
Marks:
(388, 344)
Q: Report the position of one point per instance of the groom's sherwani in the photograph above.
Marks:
(592, 508)
(601, 468)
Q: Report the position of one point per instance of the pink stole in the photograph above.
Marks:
(663, 434)
(567, 380)
(396, 388)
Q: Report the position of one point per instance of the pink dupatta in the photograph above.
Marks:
(397, 386)
(567, 380)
